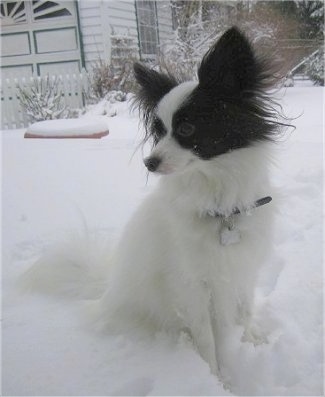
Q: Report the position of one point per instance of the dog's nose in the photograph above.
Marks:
(152, 163)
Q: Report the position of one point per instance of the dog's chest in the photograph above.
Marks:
(201, 241)
(215, 248)
(217, 232)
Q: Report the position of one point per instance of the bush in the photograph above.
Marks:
(102, 79)
(118, 74)
(105, 78)
(42, 99)
(315, 68)
(192, 39)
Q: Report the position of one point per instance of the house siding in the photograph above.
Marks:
(122, 18)
(165, 22)
(95, 31)
(99, 19)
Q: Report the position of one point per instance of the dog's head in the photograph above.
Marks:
(226, 109)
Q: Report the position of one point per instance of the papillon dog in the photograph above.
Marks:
(188, 259)
(187, 262)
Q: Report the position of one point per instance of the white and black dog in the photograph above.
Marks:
(188, 259)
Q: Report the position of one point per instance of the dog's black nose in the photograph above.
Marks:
(152, 163)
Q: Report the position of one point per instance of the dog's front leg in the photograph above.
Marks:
(252, 331)
(204, 340)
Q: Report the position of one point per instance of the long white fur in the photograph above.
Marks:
(170, 271)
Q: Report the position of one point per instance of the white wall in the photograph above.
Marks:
(95, 30)
(122, 17)
(165, 24)
(100, 18)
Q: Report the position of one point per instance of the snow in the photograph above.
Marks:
(84, 191)
(68, 128)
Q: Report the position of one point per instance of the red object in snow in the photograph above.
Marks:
(84, 128)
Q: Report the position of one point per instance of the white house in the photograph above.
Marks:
(52, 37)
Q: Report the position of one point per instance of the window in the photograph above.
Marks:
(15, 12)
(48, 9)
(147, 28)
(12, 12)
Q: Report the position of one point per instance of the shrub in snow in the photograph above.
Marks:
(200, 23)
(118, 74)
(105, 78)
(193, 37)
(125, 52)
(116, 96)
(288, 82)
(315, 68)
(101, 79)
(190, 54)
(42, 99)
(114, 103)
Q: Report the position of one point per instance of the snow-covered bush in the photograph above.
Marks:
(42, 99)
(194, 34)
(114, 103)
(116, 75)
(274, 27)
(189, 51)
(116, 96)
(315, 68)
(102, 79)
(288, 81)
(199, 24)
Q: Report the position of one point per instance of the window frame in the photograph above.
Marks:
(148, 35)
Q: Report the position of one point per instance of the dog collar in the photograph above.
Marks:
(235, 211)
(229, 233)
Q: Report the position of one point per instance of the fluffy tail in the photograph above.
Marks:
(75, 268)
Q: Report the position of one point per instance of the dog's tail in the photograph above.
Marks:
(76, 268)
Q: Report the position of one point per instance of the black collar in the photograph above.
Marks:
(235, 211)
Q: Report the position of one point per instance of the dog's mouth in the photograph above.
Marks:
(165, 170)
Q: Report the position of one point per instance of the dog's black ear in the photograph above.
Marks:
(230, 65)
(153, 85)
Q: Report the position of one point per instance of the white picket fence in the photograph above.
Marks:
(71, 86)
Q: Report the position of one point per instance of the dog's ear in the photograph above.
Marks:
(230, 65)
(153, 85)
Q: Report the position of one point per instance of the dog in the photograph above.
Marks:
(188, 260)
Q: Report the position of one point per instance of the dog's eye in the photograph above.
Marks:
(185, 129)
(158, 129)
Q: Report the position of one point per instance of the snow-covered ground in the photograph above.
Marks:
(87, 189)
